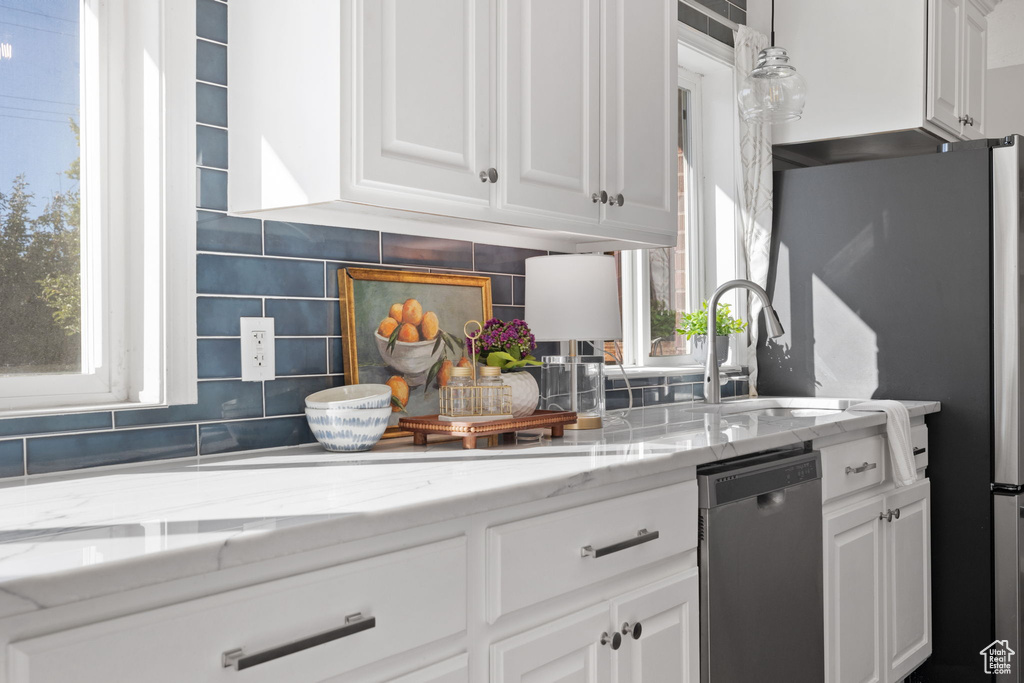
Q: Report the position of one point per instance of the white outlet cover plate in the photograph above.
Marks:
(258, 358)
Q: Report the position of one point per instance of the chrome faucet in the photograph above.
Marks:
(712, 384)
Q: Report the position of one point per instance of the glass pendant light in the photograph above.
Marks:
(773, 92)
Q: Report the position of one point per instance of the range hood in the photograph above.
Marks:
(898, 143)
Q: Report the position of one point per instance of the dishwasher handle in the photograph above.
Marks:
(642, 536)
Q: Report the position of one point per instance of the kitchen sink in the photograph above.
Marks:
(792, 412)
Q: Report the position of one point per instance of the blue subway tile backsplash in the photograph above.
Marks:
(491, 258)
(414, 250)
(302, 318)
(212, 189)
(211, 147)
(218, 316)
(218, 400)
(248, 267)
(12, 458)
(93, 449)
(301, 357)
(287, 396)
(228, 437)
(322, 242)
(216, 274)
(48, 424)
(231, 234)
(212, 20)
(219, 358)
(211, 62)
(211, 104)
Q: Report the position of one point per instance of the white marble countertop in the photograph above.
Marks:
(65, 538)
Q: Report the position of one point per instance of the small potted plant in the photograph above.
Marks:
(695, 326)
(509, 346)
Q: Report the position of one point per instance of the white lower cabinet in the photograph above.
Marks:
(877, 584)
(853, 594)
(908, 579)
(645, 636)
(297, 629)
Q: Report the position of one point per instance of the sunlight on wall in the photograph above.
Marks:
(845, 348)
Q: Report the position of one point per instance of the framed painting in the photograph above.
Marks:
(405, 329)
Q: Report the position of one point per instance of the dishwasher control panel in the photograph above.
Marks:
(752, 477)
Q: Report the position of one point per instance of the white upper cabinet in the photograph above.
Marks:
(424, 99)
(974, 68)
(639, 118)
(550, 117)
(920, 68)
(945, 26)
(957, 59)
(496, 120)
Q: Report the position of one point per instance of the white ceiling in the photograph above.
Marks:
(1006, 34)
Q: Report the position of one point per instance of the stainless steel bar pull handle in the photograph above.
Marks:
(642, 536)
(354, 623)
(863, 468)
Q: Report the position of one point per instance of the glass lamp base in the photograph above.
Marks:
(574, 383)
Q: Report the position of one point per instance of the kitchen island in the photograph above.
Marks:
(454, 541)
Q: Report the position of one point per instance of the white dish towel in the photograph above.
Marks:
(897, 428)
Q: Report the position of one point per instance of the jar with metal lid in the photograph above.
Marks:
(491, 390)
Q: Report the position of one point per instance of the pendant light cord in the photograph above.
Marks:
(773, 23)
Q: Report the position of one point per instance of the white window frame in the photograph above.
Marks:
(712, 249)
(138, 193)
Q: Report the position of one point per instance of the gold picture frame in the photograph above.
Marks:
(410, 359)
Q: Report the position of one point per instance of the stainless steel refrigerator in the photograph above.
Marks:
(901, 278)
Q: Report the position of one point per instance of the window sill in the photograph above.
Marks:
(645, 371)
(81, 408)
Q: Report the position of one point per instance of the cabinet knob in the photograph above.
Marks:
(632, 630)
(614, 639)
(970, 120)
(602, 197)
(889, 515)
(490, 175)
(617, 200)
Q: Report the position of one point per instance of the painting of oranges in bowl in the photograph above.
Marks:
(405, 329)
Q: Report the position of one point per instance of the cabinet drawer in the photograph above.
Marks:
(414, 596)
(852, 466)
(539, 558)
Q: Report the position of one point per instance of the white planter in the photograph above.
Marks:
(700, 348)
(525, 392)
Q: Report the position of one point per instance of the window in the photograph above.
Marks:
(658, 283)
(96, 216)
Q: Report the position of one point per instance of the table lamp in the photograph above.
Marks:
(570, 297)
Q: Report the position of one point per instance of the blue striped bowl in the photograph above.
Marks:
(345, 430)
(351, 396)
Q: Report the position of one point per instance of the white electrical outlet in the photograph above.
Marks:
(257, 349)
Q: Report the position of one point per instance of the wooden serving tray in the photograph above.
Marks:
(422, 426)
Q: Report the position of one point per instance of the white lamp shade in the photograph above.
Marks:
(572, 296)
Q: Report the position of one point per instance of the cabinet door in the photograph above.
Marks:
(669, 642)
(638, 114)
(945, 19)
(853, 593)
(908, 577)
(975, 62)
(565, 651)
(549, 64)
(423, 79)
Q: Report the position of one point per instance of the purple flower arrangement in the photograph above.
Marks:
(506, 345)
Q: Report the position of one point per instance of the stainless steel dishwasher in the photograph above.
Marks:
(761, 569)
